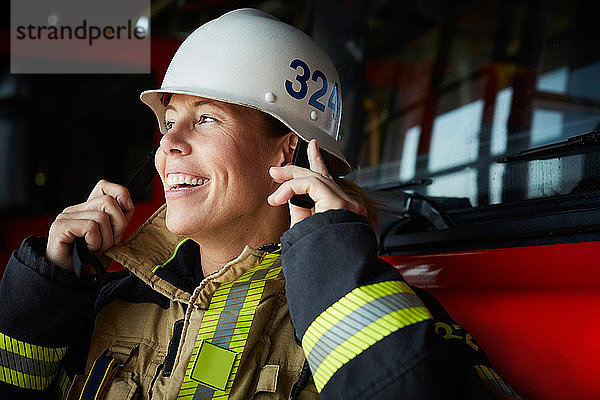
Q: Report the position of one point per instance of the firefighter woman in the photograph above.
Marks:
(228, 291)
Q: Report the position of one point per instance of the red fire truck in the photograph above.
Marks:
(475, 124)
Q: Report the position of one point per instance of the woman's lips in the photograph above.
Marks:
(182, 184)
(174, 179)
(181, 191)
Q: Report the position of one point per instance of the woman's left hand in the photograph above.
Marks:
(316, 182)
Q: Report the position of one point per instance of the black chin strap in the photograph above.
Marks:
(136, 186)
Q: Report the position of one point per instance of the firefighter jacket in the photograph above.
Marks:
(160, 330)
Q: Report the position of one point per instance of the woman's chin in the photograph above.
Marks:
(181, 223)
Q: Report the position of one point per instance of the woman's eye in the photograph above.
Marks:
(204, 119)
(169, 124)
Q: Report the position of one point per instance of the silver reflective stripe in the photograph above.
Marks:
(228, 321)
(27, 365)
(357, 320)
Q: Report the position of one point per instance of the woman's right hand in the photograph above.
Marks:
(101, 221)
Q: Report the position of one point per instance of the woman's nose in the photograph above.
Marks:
(174, 142)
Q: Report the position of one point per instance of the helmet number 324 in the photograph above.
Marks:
(302, 78)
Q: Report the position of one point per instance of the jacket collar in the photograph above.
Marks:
(152, 246)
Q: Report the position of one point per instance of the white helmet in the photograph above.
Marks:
(250, 58)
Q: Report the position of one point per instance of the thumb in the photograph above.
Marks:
(297, 214)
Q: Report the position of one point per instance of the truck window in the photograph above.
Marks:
(462, 88)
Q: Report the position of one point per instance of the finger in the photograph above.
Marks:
(286, 190)
(313, 186)
(62, 235)
(101, 220)
(289, 172)
(106, 204)
(282, 174)
(297, 214)
(315, 159)
(119, 192)
(326, 197)
(118, 220)
(65, 231)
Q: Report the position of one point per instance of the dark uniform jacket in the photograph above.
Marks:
(364, 332)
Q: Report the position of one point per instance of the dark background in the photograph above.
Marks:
(435, 92)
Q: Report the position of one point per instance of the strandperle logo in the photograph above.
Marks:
(80, 36)
(83, 32)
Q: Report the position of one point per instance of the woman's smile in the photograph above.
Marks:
(180, 184)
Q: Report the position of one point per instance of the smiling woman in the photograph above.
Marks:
(218, 274)
(221, 147)
(214, 162)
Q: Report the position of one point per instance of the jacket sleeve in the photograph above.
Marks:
(46, 319)
(365, 332)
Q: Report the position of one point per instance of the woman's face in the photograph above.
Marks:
(214, 164)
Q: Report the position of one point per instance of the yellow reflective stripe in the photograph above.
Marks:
(488, 374)
(365, 338)
(27, 365)
(32, 351)
(346, 305)
(63, 382)
(267, 262)
(24, 380)
(479, 372)
(489, 377)
(357, 321)
(234, 326)
(172, 255)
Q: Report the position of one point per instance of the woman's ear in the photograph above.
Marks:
(288, 146)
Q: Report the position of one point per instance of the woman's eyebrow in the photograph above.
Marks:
(208, 103)
(203, 102)
(197, 104)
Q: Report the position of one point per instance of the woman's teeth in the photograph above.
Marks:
(182, 179)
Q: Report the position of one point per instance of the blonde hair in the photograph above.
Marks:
(362, 197)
